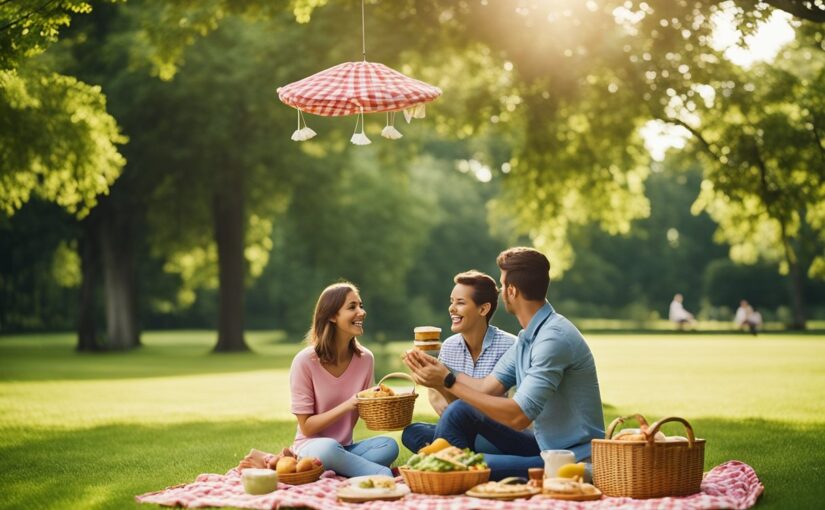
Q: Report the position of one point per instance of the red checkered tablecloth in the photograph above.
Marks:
(348, 88)
(732, 485)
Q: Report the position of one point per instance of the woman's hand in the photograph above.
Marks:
(352, 403)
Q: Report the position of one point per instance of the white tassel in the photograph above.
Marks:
(391, 133)
(360, 139)
(302, 133)
(419, 112)
(308, 133)
(408, 114)
(389, 130)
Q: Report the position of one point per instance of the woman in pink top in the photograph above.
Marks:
(324, 380)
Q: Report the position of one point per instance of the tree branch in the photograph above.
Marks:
(805, 9)
(22, 18)
(695, 132)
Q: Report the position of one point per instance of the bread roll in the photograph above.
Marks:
(286, 465)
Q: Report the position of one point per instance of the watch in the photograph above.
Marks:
(449, 380)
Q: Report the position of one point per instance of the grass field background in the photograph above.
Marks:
(93, 430)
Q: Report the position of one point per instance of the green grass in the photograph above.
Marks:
(93, 430)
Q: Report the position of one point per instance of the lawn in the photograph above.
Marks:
(93, 430)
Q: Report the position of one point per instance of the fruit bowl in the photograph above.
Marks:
(302, 477)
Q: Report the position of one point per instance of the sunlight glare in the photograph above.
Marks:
(763, 45)
(659, 136)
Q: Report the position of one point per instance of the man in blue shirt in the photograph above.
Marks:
(474, 349)
(551, 366)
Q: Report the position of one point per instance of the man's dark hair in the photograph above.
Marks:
(528, 270)
(484, 289)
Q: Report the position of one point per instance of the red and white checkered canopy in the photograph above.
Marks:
(356, 87)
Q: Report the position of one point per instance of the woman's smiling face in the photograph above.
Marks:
(464, 312)
(350, 317)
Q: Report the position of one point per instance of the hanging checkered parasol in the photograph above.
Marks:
(356, 88)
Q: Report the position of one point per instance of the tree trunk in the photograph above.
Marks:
(797, 290)
(122, 331)
(229, 220)
(797, 280)
(87, 324)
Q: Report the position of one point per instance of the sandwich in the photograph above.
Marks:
(427, 338)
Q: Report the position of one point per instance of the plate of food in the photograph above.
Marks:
(569, 489)
(503, 491)
(371, 488)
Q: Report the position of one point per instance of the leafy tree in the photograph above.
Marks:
(762, 131)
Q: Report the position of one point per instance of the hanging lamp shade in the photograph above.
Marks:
(357, 87)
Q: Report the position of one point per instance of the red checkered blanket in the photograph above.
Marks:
(732, 485)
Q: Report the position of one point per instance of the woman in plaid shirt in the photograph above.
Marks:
(474, 349)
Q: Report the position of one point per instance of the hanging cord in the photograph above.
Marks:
(359, 118)
(363, 34)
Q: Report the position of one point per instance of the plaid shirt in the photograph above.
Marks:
(455, 355)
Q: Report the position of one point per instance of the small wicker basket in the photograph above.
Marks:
(648, 469)
(302, 477)
(388, 413)
(443, 483)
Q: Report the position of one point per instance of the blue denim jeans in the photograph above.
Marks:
(461, 424)
(371, 456)
(417, 435)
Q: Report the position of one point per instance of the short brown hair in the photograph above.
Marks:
(322, 333)
(528, 270)
(484, 289)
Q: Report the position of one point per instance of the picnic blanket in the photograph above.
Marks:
(732, 485)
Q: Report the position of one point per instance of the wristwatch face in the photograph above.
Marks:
(449, 380)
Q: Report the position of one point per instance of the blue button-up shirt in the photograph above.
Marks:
(556, 383)
(456, 356)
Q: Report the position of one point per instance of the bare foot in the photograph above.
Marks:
(254, 459)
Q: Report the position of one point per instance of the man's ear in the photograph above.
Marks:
(511, 290)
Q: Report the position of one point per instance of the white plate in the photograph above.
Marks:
(353, 482)
(353, 491)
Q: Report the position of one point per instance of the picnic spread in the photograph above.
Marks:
(635, 469)
(732, 485)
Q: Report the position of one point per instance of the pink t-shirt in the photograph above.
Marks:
(315, 391)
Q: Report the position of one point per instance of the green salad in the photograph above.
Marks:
(449, 459)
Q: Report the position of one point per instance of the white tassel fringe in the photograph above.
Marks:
(391, 133)
(360, 139)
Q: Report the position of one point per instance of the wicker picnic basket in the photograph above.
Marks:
(648, 469)
(443, 483)
(302, 477)
(388, 413)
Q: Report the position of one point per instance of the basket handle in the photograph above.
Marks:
(655, 428)
(400, 375)
(643, 426)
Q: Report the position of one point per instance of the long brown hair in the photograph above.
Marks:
(322, 333)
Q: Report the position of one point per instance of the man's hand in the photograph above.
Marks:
(426, 370)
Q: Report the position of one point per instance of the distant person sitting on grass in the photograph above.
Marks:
(747, 318)
(678, 314)
(324, 380)
(474, 349)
